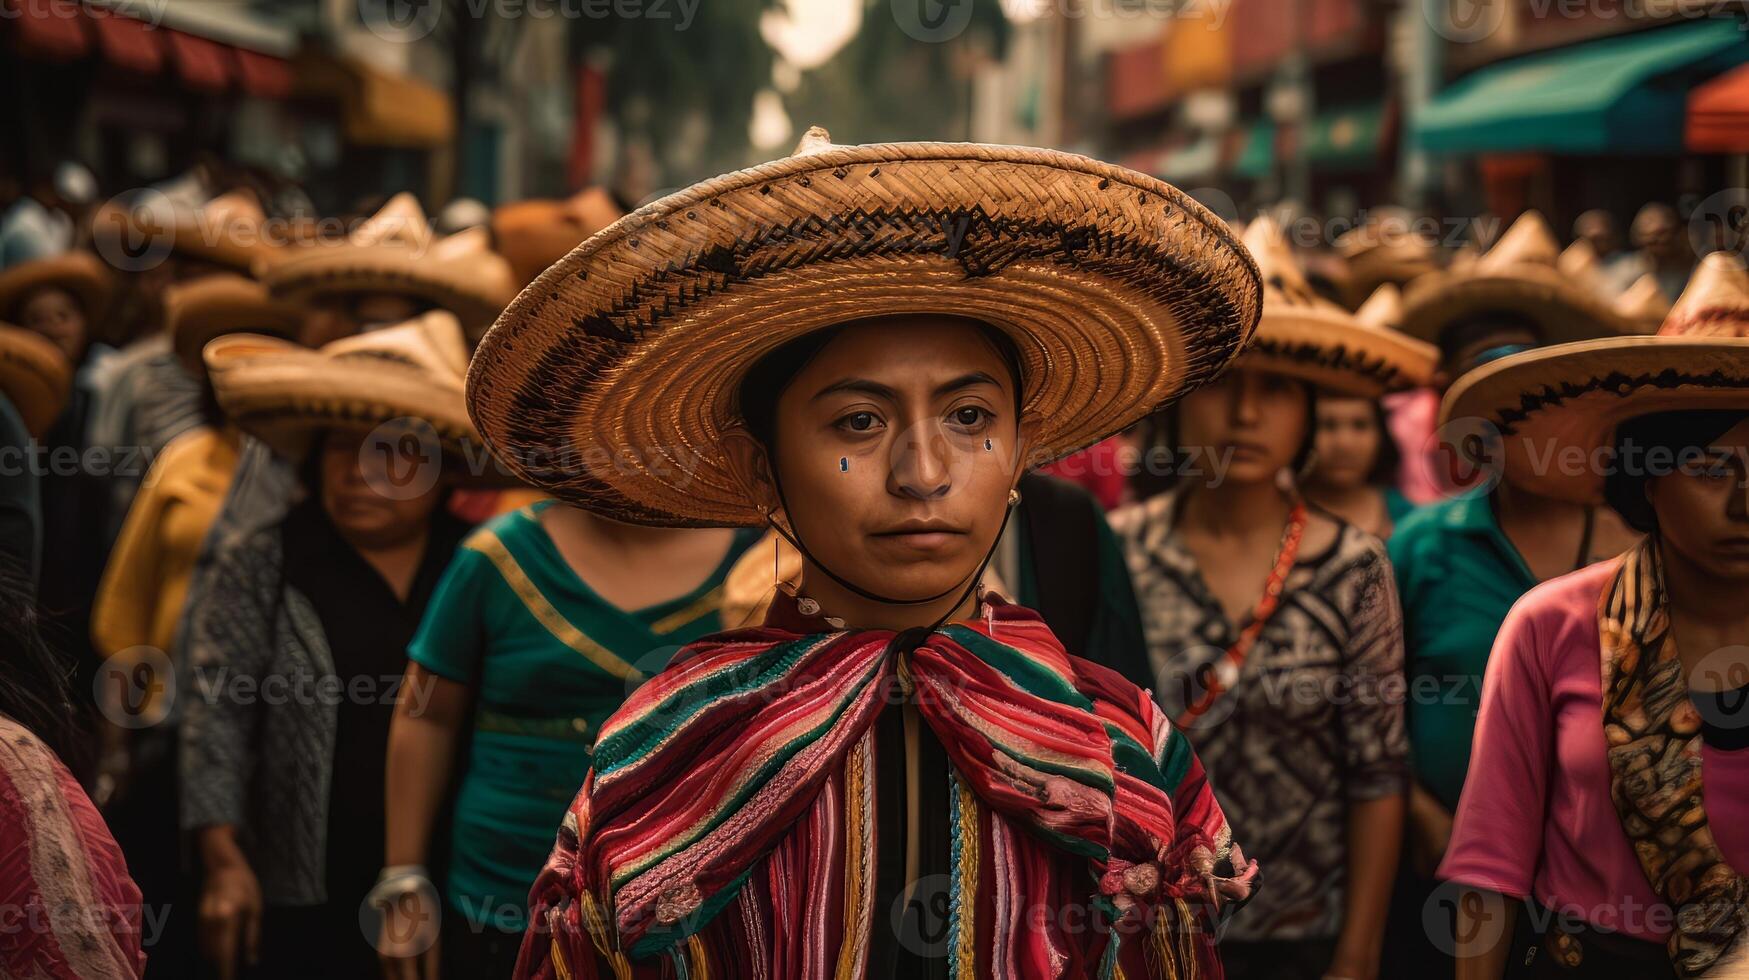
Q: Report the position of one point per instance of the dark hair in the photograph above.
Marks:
(1467, 329)
(1672, 435)
(1390, 456)
(768, 378)
(36, 686)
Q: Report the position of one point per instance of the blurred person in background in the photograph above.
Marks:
(1253, 604)
(44, 220)
(284, 794)
(1613, 803)
(1355, 459)
(36, 379)
(548, 618)
(72, 912)
(1661, 249)
(1462, 562)
(1597, 228)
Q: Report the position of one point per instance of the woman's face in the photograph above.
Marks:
(55, 314)
(368, 510)
(1347, 441)
(1703, 512)
(1248, 424)
(896, 447)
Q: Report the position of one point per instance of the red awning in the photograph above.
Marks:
(128, 43)
(263, 75)
(202, 65)
(52, 30)
(1718, 114)
(1135, 81)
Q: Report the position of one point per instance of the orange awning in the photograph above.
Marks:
(128, 43)
(1718, 114)
(53, 30)
(378, 108)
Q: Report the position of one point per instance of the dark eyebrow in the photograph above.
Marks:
(878, 390)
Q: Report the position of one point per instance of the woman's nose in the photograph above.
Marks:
(920, 464)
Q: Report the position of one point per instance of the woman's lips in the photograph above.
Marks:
(923, 539)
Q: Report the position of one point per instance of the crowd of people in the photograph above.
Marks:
(896, 560)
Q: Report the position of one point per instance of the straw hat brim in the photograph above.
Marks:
(35, 377)
(218, 305)
(285, 395)
(79, 273)
(1557, 408)
(1562, 311)
(475, 290)
(1332, 351)
(612, 378)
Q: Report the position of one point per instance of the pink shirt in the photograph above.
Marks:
(1535, 818)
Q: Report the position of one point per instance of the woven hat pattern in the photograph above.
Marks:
(1119, 291)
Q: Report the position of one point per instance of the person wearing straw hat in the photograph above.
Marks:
(1387, 249)
(283, 792)
(146, 579)
(392, 266)
(863, 347)
(1354, 457)
(1298, 781)
(35, 382)
(1609, 782)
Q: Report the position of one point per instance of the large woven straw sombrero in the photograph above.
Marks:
(81, 274)
(1308, 337)
(395, 251)
(1644, 303)
(230, 230)
(34, 376)
(285, 394)
(1521, 274)
(1549, 401)
(200, 310)
(611, 379)
(532, 235)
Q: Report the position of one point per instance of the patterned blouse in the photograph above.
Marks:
(1314, 722)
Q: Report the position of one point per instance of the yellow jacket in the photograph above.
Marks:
(145, 584)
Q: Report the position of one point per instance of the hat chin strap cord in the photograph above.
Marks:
(909, 639)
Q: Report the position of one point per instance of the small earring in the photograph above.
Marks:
(1013, 497)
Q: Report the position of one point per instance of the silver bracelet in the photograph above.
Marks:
(398, 880)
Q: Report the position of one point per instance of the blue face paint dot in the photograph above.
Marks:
(844, 464)
(987, 446)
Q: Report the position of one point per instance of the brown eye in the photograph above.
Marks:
(858, 422)
(970, 416)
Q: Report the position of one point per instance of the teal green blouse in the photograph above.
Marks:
(1457, 575)
(548, 660)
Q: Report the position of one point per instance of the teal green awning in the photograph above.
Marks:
(1345, 138)
(1257, 156)
(1621, 94)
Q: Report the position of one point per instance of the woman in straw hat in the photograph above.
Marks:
(1239, 582)
(281, 776)
(862, 347)
(1461, 562)
(1609, 783)
(35, 381)
(1354, 457)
